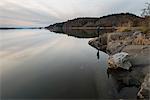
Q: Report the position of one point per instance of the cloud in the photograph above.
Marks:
(45, 12)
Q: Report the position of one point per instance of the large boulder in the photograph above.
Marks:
(119, 60)
(130, 55)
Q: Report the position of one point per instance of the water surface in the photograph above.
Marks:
(42, 64)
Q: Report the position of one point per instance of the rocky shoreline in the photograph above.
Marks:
(136, 46)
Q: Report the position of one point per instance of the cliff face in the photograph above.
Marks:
(117, 20)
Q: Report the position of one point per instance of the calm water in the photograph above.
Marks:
(42, 64)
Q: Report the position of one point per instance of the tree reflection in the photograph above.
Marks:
(82, 33)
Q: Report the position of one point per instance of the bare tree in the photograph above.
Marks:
(146, 10)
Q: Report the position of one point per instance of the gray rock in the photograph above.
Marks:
(144, 91)
(124, 78)
(99, 43)
(138, 54)
(119, 60)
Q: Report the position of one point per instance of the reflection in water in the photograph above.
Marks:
(41, 64)
(82, 33)
(98, 54)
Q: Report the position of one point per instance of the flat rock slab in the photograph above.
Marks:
(138, 54)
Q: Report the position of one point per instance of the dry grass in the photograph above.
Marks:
(144, 29)
(124, 29)
(141, 40)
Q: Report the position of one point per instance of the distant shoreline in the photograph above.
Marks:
(6, 28)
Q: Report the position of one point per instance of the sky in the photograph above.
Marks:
(34, 13)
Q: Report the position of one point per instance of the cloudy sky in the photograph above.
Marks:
(20, 13)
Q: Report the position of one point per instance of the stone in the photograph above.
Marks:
(133, 78)
(119, 60)
(144, 91)
(114, 47)
(137, 33)
(99, 43)
(138, 54)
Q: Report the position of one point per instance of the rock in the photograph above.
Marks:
(119, 36)
(99, 43)
(124, 78)
(95, 43)
(115, 42)
(114, 47)
(137, 33)
(144, 91)
(141, 40)
(119, 60)
(126, 50)
(138, 54)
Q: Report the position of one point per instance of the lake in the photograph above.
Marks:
(39, 64)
